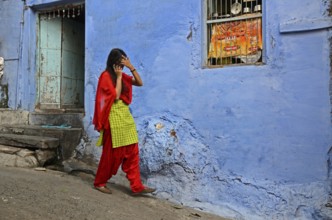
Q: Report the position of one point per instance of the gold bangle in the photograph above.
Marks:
(133, 70)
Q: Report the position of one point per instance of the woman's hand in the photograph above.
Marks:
(118, 70)
(136, 80)
(126, 62)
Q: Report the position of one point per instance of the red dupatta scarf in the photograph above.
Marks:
(105, 96)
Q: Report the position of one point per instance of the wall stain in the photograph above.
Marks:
(190, 35)
(173, 134)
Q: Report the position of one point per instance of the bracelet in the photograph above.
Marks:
(133, 70)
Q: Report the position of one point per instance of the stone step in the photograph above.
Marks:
(69, 137)
(29, 141)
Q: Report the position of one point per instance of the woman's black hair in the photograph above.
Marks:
(114, 57)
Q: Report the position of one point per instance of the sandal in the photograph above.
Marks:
(103, 189)
(145, 191)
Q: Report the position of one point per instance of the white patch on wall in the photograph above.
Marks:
(2, 64)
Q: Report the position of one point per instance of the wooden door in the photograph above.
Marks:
(61, 63)
(49, 80)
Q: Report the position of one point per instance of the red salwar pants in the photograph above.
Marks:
(112, 158)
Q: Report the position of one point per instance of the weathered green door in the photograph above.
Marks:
(61, 63)
(50, 35)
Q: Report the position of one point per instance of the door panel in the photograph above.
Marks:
(49, 63)
(72, 94)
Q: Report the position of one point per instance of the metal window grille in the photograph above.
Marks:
(234, 32)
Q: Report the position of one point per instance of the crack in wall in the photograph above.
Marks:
(166, 167)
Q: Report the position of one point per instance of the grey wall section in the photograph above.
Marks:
(11, 17)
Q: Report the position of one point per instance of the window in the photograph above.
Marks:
(234, 32)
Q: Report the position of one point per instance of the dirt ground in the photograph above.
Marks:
(39, 195)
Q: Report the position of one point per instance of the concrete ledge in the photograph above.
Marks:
(57, 119)
(9, 116)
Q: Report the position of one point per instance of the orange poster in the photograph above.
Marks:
(236, 38)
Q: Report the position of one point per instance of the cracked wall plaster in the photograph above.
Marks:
(167, 162)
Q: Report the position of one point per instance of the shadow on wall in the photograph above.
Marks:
(330, 9)
(329, 171)
(3, 95)
(3, 88)
(329, 161)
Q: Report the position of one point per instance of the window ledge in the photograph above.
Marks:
(305, 25)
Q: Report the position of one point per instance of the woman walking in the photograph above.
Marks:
(112, 118)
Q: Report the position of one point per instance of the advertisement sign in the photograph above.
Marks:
(236, 38)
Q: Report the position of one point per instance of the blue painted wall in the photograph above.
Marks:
(11, 13)
(248, 142)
